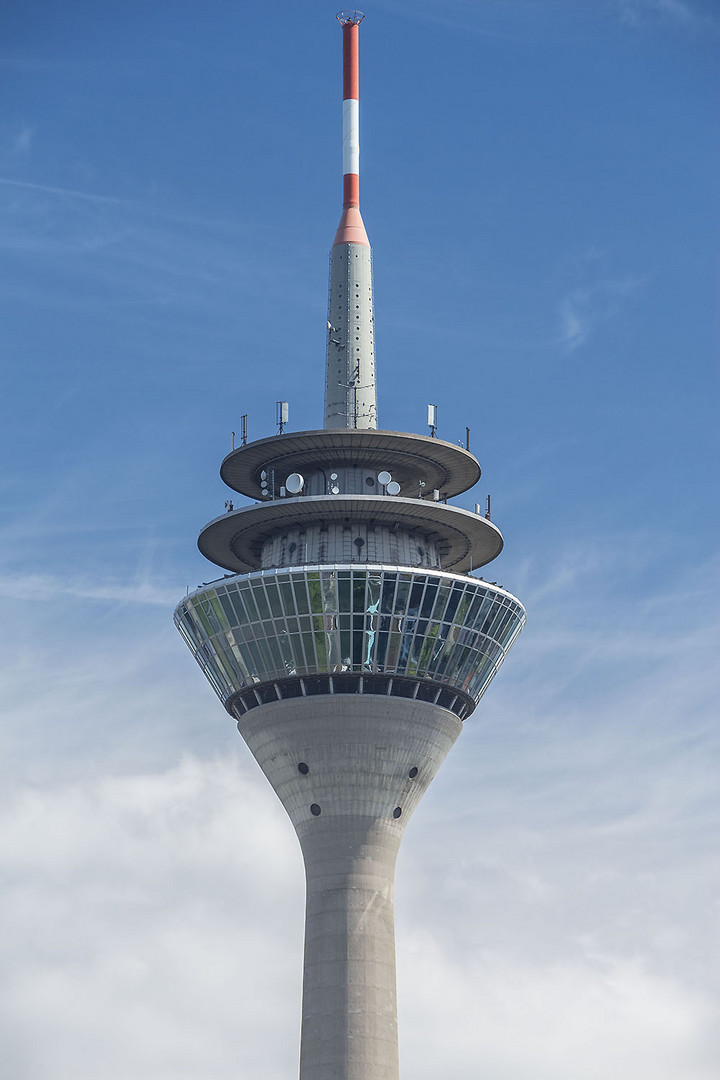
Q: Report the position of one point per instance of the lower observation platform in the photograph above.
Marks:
(313, 630)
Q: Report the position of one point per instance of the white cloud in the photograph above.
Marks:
(554, 891)
(582, 310)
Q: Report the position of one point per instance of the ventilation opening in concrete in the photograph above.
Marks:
(304, 768)
(315, 810)
(267, 694)
(317, 684)
(375, 685)
(447, 699)
(290, 688)
(428, 692)
(346, 684)
(413, 772)
(397, 811)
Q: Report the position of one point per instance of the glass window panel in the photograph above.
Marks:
(344, 593)
(359, 592)
(329, 592)
(250, 605)
(381, 649)
(478, 596)
(345, 658)
(457, 591)
(301, 598)
(228, 609)
(321, 649)
(374, 588)
(401, 595)
(358, 643)
(393, 651)
(463, 606)
(259, 597)
(216, 616)
(487, 611)
(429, 642)
(315, 593)
(309, 649)
(273, 595)
(440, 602)
(428, 599)
(490, 625)
(203, 620)
(292, 625)
(270, 654)
(286, 596)
(388, 593)
(369, 644)
(415, 598)
(234, 596)
(287, 654)
(502, 622)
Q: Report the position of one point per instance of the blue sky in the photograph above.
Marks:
(539, 184)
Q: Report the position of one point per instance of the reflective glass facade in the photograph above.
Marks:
(275, 624)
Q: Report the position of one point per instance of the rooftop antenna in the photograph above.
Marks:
(243, 429)
(432, 420)
(282, 413)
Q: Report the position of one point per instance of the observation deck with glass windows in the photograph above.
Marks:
(391, 630)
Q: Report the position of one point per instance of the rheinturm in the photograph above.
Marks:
(350, 641)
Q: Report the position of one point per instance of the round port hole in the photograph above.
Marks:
(315, 810)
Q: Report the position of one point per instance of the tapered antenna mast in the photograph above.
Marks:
(350, 399)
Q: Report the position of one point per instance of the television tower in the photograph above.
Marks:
(350, 641)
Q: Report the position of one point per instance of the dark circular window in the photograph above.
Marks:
(305, 769)
(315, 810)
(359, 542)
(370, 481)
(396, 812)
(412, 774)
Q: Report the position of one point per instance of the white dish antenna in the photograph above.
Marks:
(393, 488)
(384, 477)
(295, 483)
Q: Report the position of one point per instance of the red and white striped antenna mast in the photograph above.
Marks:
(350, 399)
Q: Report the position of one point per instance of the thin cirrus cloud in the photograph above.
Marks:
(583, 310)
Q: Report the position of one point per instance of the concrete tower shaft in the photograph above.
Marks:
(350, 398)
(349, 772)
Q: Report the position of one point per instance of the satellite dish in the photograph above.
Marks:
(333, 476)
(334, 490)
(263, 475)
(295, 483)
(393, 488)
(384, 477)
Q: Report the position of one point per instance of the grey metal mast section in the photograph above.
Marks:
(350, 400)
(349, 643)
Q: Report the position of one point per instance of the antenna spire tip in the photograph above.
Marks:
(350, 17)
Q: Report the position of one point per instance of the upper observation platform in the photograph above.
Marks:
(418, 463)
